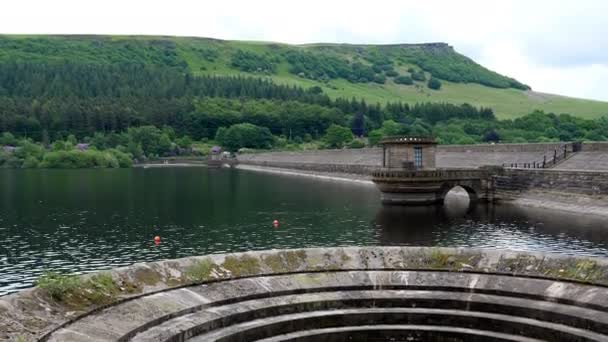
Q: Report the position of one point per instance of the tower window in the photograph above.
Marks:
(418, 156)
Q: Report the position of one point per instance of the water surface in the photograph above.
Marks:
(87, 220)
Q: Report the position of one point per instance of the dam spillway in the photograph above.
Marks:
(335, 294)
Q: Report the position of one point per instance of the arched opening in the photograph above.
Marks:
(457, 195)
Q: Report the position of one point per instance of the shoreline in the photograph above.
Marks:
(341, 177)
(571, 203)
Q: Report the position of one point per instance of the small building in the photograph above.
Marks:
(8, 149)
(216, 153)
(409, 152)
(82, 146)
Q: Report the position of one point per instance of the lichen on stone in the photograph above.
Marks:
(575, 269)
(285, 261)
(200, 271)
(243, 266)
(147, 276)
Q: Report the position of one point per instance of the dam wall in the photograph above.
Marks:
(514, 183)
(361, 161)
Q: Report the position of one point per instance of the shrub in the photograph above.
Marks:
(374, 137)
(58, 286)
(356, 144)
(124, 159)
(251, 62)
(391, 73)
(418, 75)
(404, 80)
(380, 79)
(434, 84)
(76, 291)
(30, 163)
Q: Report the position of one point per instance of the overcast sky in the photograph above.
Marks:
(553, 45)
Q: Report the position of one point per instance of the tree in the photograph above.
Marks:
(391, 73)
(337, 136)
(244, 135)
(8, 139)
(390, 127)
(184, 142)
(374, 137)
(434, 83)
(358, 124)
(491, 136)
(418, 75)
(380, 79)
(404, 80)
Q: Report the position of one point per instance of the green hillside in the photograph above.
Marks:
(362, 71)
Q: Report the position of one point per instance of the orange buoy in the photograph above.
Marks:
(275, 223)
(157, 239)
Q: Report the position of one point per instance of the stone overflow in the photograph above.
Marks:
(328, 294)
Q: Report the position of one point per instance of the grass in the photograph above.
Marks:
(506, 103)
(200, 271)
(78, 292)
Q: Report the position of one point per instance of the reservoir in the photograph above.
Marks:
(79, 221)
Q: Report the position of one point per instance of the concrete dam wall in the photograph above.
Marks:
(593, 156)
(330, 294)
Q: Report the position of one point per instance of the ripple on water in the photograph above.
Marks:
(78, 230)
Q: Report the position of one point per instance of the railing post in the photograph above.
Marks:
(554, 157)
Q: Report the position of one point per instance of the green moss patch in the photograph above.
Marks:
(78, 292)
(243, 266)
(200, 271)
(286, 261)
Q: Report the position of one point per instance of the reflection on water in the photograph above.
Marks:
(88, 220)
(492, 226)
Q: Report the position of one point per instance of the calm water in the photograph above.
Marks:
(87, 220)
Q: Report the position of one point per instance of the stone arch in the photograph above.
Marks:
(471, 191)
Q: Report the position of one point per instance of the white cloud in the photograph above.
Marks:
(554, 46)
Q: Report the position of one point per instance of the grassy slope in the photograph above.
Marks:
(507, 103)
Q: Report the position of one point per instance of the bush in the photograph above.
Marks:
(76, 291)
(434, 84)
(491, 136)
(418, 75)
(337, 136)
(251, 62)
(374, 137)
(58, 286)
(30, 163)
(380, 79)
(124, 159)
(404, 80)
(391, 73)
(76, 159)
(356, 144)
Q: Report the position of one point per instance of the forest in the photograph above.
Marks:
(128, 111)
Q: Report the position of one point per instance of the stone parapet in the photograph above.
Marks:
(271, 294)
